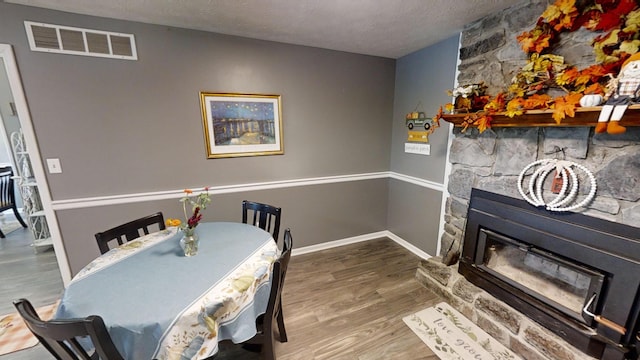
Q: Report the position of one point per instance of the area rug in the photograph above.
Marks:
(14, 334)
(451, 336)
(10, 226)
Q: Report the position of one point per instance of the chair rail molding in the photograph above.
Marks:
(226, 189)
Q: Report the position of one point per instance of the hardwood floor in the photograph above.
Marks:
(348, 303)
(342, 303)
(23, 273)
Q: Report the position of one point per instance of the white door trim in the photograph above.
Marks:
(15, 83)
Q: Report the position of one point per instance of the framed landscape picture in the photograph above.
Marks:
(241, 124)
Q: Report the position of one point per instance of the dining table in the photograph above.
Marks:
(158, 304)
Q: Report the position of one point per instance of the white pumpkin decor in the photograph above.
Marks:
(591, 100)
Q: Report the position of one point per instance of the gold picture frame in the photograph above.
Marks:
(238, 125)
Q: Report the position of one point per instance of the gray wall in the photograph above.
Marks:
(421, 77)
(9, 120)
(142, 118)
(315, 214)
(125, 127)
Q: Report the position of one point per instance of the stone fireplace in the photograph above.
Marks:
(576, 275)
(492, 161)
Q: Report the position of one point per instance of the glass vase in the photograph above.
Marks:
(189, 243)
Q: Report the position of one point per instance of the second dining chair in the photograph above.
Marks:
(264, 216)
(60, 337)
(8, 195)
(129, 231)
(266, 324)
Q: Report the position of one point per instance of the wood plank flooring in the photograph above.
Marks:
(341, 303)
(348, 303)
(23, 273)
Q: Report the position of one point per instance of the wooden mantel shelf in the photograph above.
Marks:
(585, 116)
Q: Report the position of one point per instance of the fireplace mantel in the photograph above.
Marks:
(584, 116)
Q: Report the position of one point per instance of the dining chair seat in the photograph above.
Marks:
(62, 337)
(129, 231)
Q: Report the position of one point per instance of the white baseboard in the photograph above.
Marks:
(360, 238)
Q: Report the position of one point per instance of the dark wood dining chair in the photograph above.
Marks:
(264, 216)
(129, 231)
(266, 324)
(8, 195)
(60, 337)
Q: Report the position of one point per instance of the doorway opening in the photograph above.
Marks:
(19, 145)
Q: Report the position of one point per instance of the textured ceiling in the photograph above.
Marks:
(387, 28)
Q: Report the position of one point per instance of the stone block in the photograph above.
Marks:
(487, 141)
(499, 312)
(482, 46)
(619, 178)
(492, 22)
(458, 223)
(428, 282)
(450, 229)
(549, 345)
(483, 171)
(564, 143)
(576, 48)
(524, 16)
(511, 56)
(517, 148)
(460, 182)
(436, 269)
(465, 310)
(524, 351)
(631, 216)
(465, 290)
(604, 204)
(472, 64)
(630, 137)
(600, 215)
(505, 185)
(469, 77)
(467, 151)
(493, 329)
(472, 33)
(447, 242)
(458, 208)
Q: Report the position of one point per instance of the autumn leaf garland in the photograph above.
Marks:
(619, 22)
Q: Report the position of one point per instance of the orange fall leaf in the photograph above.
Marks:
(565, 106)
(483, 123)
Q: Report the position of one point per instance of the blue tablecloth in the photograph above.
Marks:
(157, 303)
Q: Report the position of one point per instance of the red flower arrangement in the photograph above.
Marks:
(198, 203)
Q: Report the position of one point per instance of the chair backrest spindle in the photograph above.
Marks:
(264, 216)
(129, 231)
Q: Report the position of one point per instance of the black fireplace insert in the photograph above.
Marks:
(577, 275)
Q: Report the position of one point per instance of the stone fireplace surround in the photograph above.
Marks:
(492, 161)
(601, 259)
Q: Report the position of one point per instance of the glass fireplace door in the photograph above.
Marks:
(564, 285)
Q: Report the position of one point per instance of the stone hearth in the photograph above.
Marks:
(514, 330)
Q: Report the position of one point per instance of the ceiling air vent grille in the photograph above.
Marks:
(77, 41)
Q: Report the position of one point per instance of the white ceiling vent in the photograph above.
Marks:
(77, 41)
